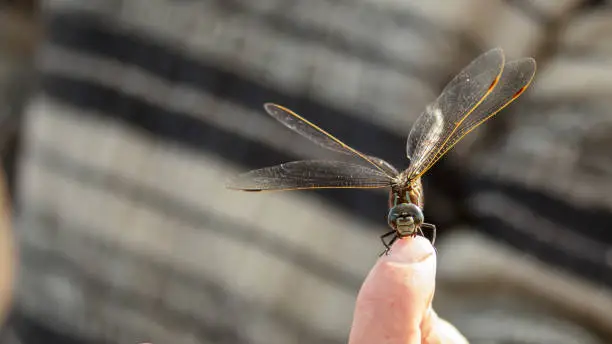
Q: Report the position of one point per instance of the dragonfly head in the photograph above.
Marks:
(405, 218)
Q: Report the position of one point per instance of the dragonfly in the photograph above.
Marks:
(481, 89)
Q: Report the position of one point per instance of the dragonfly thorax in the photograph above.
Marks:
(406, 191)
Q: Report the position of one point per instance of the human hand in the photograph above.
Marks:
(394, 303)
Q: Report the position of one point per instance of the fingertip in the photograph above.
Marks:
(410, 251)
(396, 294)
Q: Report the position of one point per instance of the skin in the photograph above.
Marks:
(7, 252)
(394, 303)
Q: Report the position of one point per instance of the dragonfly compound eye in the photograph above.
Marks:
(405, 218)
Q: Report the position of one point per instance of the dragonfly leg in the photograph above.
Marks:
(420, 231)
(432, 228)
(387, 245)
(382, 238)
(386, 251)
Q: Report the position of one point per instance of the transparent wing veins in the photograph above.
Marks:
(441, 119)
(515, 79)
(310, 174)
(321, 137)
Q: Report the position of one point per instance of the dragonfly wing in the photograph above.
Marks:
(324, 139)
(515, 79)
(310, 174)
(386, 167)
(459, 98)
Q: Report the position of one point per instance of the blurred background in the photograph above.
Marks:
(120, 121)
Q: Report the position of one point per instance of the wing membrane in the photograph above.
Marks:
(310, 174)
(324, 139)
(515, 79)
(437, 124)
